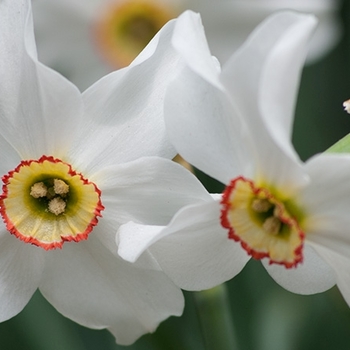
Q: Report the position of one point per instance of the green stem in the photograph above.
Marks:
(342, 146)
(215, 319)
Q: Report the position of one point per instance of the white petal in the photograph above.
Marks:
(105, 232)
(11, 30)
(88, 284)
(204, 128)
(194, 250)
(35, 102)
(124, 110)
(262, 78)
(280, 77)
(341, 265)
(313, 275)
(200, 120)
(227, 24)
(326, 201)
(275, 54)
(190, 41)
(134, 239)
(21, 267)
(149, 190)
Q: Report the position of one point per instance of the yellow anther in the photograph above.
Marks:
(57, 206)
(60, 187)
(272, 225)
(38, 190)
(261, 205)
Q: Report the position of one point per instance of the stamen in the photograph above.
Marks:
(57, 206)
(38, 190)
(272, 225)
(60, 187)
(261, 205)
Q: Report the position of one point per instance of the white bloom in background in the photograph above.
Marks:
(235, 125)
(229, 22)
(72, 173)
(85, 39)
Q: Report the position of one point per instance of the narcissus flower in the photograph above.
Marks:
(87, 39)
(235, 125)
(72, 172)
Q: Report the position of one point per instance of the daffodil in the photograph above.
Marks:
(86, 39)
(74, 167)
(235, 125)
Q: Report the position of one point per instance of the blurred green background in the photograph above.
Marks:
(266, 317)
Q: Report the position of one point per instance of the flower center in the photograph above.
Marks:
(263, 224)
(54, 192)
(45, 202)
(124, 28)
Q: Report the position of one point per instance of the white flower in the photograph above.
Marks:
(72, 173)
(235, 125)
(85, 39)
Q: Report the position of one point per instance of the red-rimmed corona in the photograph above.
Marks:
(45, 202)
(263, 224)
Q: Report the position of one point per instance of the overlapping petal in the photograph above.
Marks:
(206, 128)
(149, 190)
(219, 123)
(134, 239)
(127, 108)
(127, 301)
(211, 127)
(193, 249)
(190, 41)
